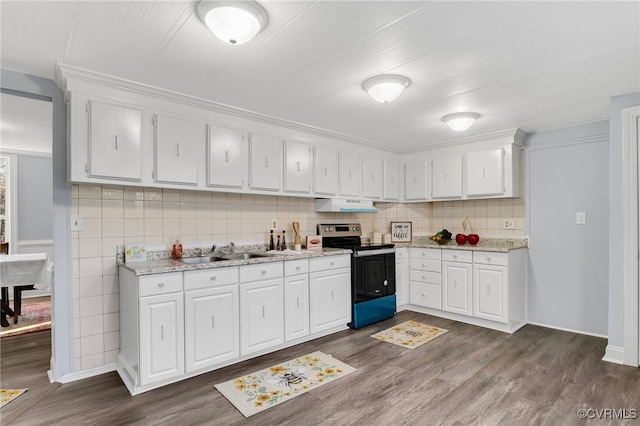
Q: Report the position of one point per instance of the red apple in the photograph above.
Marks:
(461, 239)
(473, 239)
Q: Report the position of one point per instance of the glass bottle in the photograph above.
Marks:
(284, 242)
(272, 245)
(278, 246)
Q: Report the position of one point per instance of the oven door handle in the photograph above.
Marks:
(364, 253)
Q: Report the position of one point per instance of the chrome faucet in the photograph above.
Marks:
(231, 249)
(199, 252)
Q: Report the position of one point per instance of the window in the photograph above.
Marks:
(7, 166)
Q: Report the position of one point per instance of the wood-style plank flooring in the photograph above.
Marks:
(470, 375)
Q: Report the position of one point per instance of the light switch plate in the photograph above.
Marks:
(76, 223)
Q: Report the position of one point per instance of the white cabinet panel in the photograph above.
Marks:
(114, 142)
(372, 177)
(265, 162)
(485, 173)
(161, 337)
(391, 180)
(402, 276)
(227, 157)
(212, 326)
(330, 299)
(325, 171)
(490, 292)
(456, 280)
(350, 174)
(446, 177)
(296, 306)
(262, 315)
(415, 181)
(297, 163)
(179, 149)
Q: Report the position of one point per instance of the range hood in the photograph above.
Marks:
(344, 206)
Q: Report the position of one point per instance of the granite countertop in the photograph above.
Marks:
(161, 266)
(486, 244)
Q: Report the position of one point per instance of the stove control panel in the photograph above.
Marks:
(340, 230)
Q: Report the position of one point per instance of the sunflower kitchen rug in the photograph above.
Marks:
(8, 395)
(409, 334)
(274, 385)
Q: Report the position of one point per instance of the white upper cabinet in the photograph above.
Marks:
(350, 174)
(372, 180)
(297, 167)
(227, 157)
(179, 148)
(485, 173)
(391, 180)
(446, 177)
(415, 181)
(325, 171)
(265, 162)
(114, 142)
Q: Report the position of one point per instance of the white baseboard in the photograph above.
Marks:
(586, 333)
(72, 377)
(614, 354)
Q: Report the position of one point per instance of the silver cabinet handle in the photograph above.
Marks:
(331, 263)
(160, 285)
(226, 156)
(331, 294)
(266, 161)
(298, 302)
(263, 272)
(213, 321)
(161, 331)
(298, 166)
(213, 277)
(263, 312)
(177, 150)
(326, 173)
(488, 289)
(297, 268)
(116, 142)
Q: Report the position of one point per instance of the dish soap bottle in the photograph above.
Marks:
(272, 245)
(176, 253)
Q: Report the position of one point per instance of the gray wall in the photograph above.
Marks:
(616, 218)
(567, 172)
(35, 198)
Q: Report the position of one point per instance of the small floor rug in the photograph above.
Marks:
(274, 385)
(8, 395)
(409, 334)
(35, 316)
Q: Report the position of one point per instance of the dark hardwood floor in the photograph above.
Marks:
(469, 375)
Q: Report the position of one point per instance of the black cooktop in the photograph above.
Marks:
(346, 236)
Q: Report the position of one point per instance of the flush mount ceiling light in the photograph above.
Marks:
(385, 88)
(234, 22)
(460, 121)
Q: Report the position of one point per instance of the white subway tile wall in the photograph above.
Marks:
(115, 216)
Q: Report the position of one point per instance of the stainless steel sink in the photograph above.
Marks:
(201, 259)
(236, 256)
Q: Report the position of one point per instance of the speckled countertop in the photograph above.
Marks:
(486, 244)
(161, 266)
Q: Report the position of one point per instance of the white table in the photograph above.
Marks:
(23, 272)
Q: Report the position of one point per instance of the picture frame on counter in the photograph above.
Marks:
(400, 232)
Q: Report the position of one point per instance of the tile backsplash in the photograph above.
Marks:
(115, 215)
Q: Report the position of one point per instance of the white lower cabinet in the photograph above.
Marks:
(212, 323)
(491, 292)
(296, 299)
(425, 277)
(329, 292)
(457, 274)
(402, 277)
(261, 307)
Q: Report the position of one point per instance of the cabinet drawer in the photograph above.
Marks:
(426, 265)
(329, 262)
(262, 271)
(401, 253)
(210, 277)
(424, 294)
(457, 256)
(151, 285)
(425, 276)
(295, 267)
(418, 253)
(491, 258)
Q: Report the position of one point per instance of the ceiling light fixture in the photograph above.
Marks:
(385, 88)
(234, 22)
(460, 121)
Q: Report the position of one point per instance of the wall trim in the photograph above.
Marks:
(570, 330)
(31, 243)
(614, 354)
(85, 374)
(630, 159)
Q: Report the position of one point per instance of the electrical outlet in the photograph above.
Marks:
(76, 223)
(507, 223)
(274, 223)
(581, 218)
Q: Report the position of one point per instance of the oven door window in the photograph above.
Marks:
(374, 276)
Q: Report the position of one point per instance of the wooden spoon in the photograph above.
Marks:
(296, 229)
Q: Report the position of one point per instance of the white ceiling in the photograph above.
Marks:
(25, 124)
(532, 65)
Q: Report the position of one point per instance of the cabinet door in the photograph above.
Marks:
(212, 326)
(350, 174)
(330, 299)
(391, 180)
(297, 163)
(179, 147)
(402, 276)
(266, 162)
(161, 337)
(456, 295)
(415, 181)
(227, 160)
(485, 173)
(490, 292)
(325, 171)
(446, 177)
(114, 142)
(262, 315)
(296, 307)
(372, 180)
